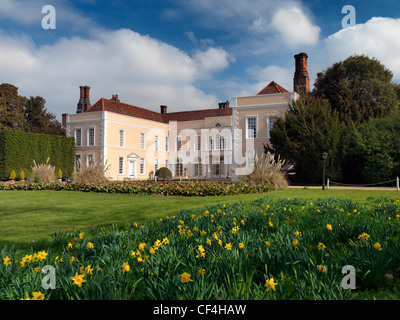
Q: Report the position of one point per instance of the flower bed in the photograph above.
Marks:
(175, 188)
(286, 249)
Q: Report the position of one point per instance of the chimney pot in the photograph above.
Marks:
(223, 105)
(163, 109)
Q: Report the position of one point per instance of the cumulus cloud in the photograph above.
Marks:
(252, 20)
(375, 38)
(211, 60)
(294, 27)
(142, 70)
(264, 75)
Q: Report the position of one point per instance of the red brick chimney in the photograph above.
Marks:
(223, 105)
(84, 99)
(301, 81)
(163, 109)
(115, 98)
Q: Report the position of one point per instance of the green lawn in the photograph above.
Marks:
(28, 216)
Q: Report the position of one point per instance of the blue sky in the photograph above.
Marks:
(187, 54)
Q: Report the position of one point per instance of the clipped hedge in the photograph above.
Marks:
(19, 149)
(171, 188)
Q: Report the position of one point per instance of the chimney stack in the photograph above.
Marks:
(301, 81)
(163, 109)
(223, 105)
(84, 100)
(115, 98)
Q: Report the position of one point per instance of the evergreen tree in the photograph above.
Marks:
(38, 119)
(310, 128)
(359, 88)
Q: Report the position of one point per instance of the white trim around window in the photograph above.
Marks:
(142, 166)
(122, 138)
(89, 159)
(78, 162)
(142, 140)
(121, 165)
(78, 137)
(156, 143)
(90, 137)
(251, 127)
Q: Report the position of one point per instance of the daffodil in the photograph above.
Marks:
(228, 246)
(295, 243)
(267, 243)
(377, 246)
(321, 268)
(329, 227)
(6, 261)
(185, 277)
(125, 267)
(321, 246)
(37, 296)
(364, 236)
(270, 284)
(90, 245)
(25, 260)
(42, 255)
(201, 272)
(241, 245)
(297, 234)
(81, 235)
(78, 279)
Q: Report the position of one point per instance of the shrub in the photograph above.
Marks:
(59, 174)
(268, 170)
(12, 175)
(163, 173)
(43, 172)
(22, 175)
(92, 173)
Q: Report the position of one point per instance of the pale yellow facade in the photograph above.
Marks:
(133, 148)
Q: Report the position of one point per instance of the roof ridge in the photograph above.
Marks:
(272, 88)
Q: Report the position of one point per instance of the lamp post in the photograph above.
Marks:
(324, 157)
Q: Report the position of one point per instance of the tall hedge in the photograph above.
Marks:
(19, 149)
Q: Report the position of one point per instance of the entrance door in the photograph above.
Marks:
(132, 168)
(132, 165)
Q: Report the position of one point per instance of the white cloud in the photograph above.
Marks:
(26, 12)
(294, 27)
(256, 23)
(143, 71)
(263, 76)
(376, 38)
(211, 60)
